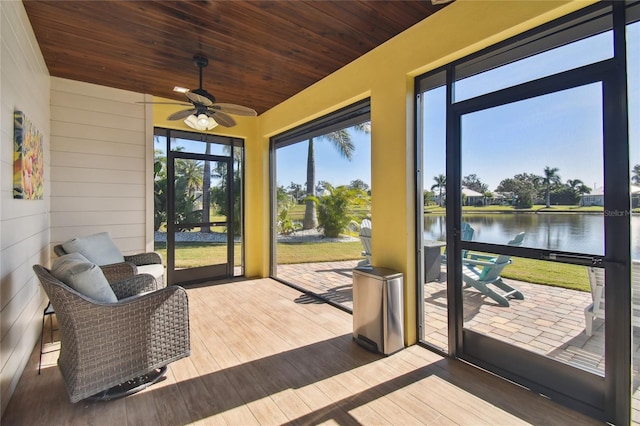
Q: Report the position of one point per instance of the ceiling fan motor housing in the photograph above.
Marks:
(204, 93)
(200, 61)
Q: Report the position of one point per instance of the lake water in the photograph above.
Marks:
(580, 233)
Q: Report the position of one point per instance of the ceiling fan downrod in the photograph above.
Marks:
(201, 62)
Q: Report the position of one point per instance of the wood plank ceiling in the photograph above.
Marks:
(260, 52)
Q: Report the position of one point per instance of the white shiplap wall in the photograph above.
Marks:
(24, 224)
(98, 149)
(101, 164)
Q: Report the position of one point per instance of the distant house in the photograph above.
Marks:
(596, 197)
(471, 197)
(504, 198)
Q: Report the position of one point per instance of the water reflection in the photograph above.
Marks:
(581, 233)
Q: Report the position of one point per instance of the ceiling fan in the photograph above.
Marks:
(204, 112)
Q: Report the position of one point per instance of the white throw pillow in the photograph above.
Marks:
(97, 248)
(84, 277)
(155, 269)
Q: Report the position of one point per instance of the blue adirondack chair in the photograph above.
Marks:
(480, 271)
(466, 232)
(516, 241)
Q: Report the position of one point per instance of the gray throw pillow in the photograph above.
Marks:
(98, 248)
(84, 277)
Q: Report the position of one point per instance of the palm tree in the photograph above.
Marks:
(550, 177)
(206, 180)
(578, 186)
(636, 174)
(574, 184)
(341, 139)
(222, 186)
(441, 182)
(192, 171)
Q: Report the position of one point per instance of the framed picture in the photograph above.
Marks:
(28, 170)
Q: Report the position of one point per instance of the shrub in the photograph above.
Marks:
(335, 209)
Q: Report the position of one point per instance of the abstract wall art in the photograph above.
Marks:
(28, 161)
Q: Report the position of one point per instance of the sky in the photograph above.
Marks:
(562, 130)
(330, 165)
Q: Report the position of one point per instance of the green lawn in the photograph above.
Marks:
(191, 255)
(548, 273)
(194, 254)
(318, 252)
(535, 271)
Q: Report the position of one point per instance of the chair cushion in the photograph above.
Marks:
(156, 269)
(84, 277)
(97, 248)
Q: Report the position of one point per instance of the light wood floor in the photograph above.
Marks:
(261, 354)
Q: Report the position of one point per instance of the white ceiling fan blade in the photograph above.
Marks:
(234, 109)
(181, 114)
(222, 119)
(198, 99)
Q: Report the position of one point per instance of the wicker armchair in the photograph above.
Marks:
(106, 344)
(120, 271)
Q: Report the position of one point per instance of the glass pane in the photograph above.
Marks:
(570, 56)
(238, 231)
(199, 146)
(160, 195)
(546, 307)
(323, 199)
(217, 187)
(435, 325)
(532, 176)
(201, 197)
(536, 166)
(196, 249)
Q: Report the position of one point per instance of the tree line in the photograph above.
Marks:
(335, 206)
(526, 189)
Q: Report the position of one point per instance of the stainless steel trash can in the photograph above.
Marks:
(378, 309)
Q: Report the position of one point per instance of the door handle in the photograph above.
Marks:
(574, 258)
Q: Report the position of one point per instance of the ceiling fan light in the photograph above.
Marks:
(200, 122)
(203, 120)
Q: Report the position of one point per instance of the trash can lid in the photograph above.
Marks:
(375, 271)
